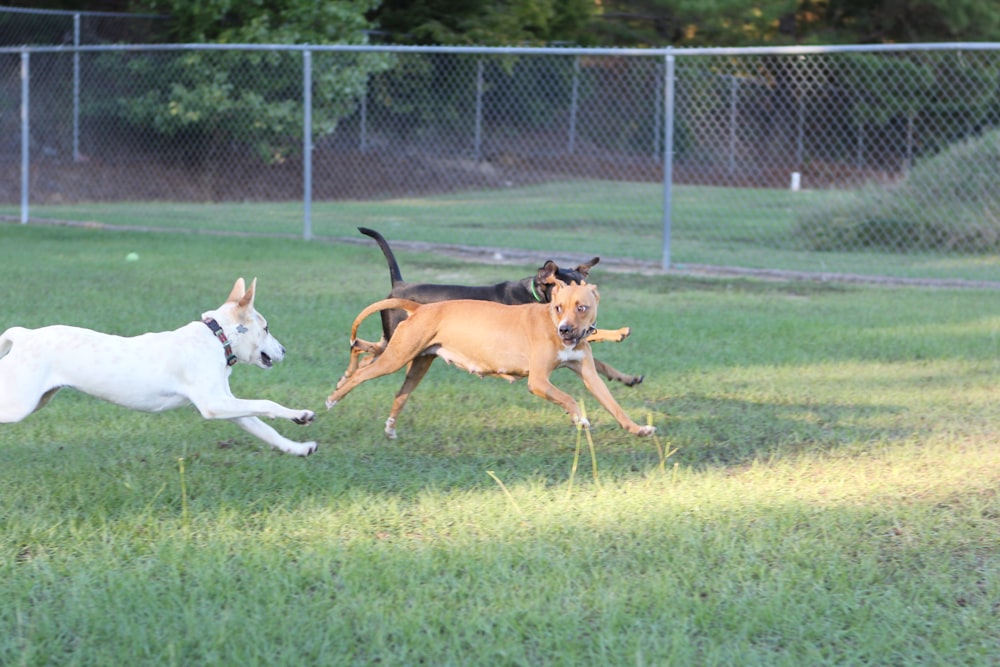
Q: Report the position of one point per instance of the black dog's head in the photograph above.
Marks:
(550, 272)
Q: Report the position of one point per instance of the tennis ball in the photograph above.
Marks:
(132, 257)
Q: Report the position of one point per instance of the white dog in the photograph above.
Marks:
(152, 372)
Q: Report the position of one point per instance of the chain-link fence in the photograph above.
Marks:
(880, 160)
(21, 26)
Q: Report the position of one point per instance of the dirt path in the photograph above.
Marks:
(496, 255)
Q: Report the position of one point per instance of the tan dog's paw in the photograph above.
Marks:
(644, 431)
(582, 422)
(306, 417)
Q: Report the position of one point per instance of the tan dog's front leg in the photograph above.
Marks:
(540, 386)
(596, 386)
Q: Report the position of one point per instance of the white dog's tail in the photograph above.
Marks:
(384, 304)
(7, 340)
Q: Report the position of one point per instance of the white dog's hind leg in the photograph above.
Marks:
(258, 428)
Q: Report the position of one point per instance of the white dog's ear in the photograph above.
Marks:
(239, 289)
(247, 299)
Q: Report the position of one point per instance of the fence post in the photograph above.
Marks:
(25, 134)
(307, 145)
(668, 156)
(76, 87)
(479, 111)
(734, 98)
(363, 147)
(574, 104)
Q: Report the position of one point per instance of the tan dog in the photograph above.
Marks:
(487, 338)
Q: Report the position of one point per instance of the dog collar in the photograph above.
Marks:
(586, 334)
(221, 335)
(535, 293)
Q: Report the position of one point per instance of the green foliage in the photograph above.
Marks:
(477, 22)
(217, 99)
(951, 200)
(271, 22)
(742, 23)
(884, 87)
(890, 21)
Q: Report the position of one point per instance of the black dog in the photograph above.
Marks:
(533, 289)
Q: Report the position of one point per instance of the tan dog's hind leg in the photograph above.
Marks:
(414, 374)
(359, 348)
(616, 375)
(608, 371)
(609, 335)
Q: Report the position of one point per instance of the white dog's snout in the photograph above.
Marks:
(275, 350)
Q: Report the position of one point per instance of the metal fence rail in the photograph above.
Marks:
(840, 159)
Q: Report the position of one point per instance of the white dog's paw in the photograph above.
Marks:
(646, 430)
(304, 449)
(296, 448)
(304, 418)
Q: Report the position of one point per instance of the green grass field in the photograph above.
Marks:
(823, 490)
(739, 227)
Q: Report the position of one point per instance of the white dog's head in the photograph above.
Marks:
(246, 329)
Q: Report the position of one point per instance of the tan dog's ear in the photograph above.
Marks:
(584, 269)
(247, 299)
(239, 289)
(597, 295)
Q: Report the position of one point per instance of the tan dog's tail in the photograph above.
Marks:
(384, 304)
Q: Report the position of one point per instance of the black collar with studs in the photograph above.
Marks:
(221, 335)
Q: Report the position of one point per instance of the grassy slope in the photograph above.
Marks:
(832, 499)
(752, 228)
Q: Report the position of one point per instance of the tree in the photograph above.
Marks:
(479, 22)
(877, 21)
(217, 98)
(760, 22)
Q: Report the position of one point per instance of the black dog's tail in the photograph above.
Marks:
(394, 274)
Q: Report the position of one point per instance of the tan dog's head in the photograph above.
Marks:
(550, 274)
(574, 311)
(246, 329)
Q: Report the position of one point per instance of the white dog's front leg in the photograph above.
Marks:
(258, 428)
(231, 407)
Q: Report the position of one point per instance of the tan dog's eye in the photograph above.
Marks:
(559, 310)
(582, 309)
